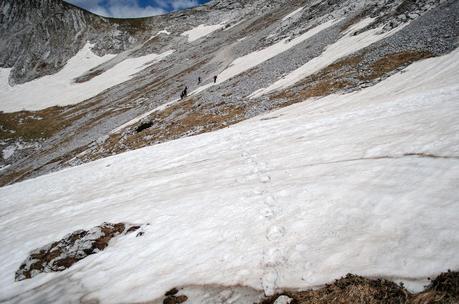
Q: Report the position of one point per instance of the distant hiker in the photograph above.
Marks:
(184, 93)
(199, 80)
(215, 79)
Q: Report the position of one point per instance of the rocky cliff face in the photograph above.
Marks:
(39, 36)
(252, 45)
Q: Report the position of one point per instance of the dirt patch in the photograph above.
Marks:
(60, 255)
(359, 290)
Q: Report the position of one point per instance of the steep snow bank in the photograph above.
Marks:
(60, 88)
(363, 183)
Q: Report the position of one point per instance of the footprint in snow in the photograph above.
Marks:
(267, 213)
(275, 233)
(265, 179)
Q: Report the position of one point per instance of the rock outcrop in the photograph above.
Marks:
(62, 254)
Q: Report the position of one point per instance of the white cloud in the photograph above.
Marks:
(131, 8)
(181, 4)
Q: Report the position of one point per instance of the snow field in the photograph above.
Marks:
(346, 183)
(61, 89)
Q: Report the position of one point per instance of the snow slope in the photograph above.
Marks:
(31, 96)
(345, 46)
(202, 30)
(363, 183)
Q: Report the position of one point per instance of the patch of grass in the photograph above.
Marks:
(392, 62)
(31, 125)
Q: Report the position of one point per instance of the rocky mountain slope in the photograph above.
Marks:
(251, 45)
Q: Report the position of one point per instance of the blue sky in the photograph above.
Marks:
(134, 8)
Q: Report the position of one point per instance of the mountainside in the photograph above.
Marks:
(316, 139)
(302, 48)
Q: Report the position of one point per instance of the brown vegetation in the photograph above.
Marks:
(392, 62)
(353, 289)
(42, 124)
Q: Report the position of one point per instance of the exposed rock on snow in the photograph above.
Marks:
(283, 300)
(60, 255)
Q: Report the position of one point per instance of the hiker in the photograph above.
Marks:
(215, 79)
(184, 93)
(199, 80)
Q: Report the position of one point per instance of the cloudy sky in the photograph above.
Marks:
(134, 8)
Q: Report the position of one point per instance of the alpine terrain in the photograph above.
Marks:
(242, 151)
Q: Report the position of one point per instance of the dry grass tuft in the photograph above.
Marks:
(353, 289)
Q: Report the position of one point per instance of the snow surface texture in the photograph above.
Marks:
(345, 46)
(32, 96)
(202, 30)
(363, 183)
(251, 60)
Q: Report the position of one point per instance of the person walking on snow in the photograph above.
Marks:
(215, 79)
(199, 80)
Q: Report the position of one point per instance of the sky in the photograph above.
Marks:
(134, 8)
